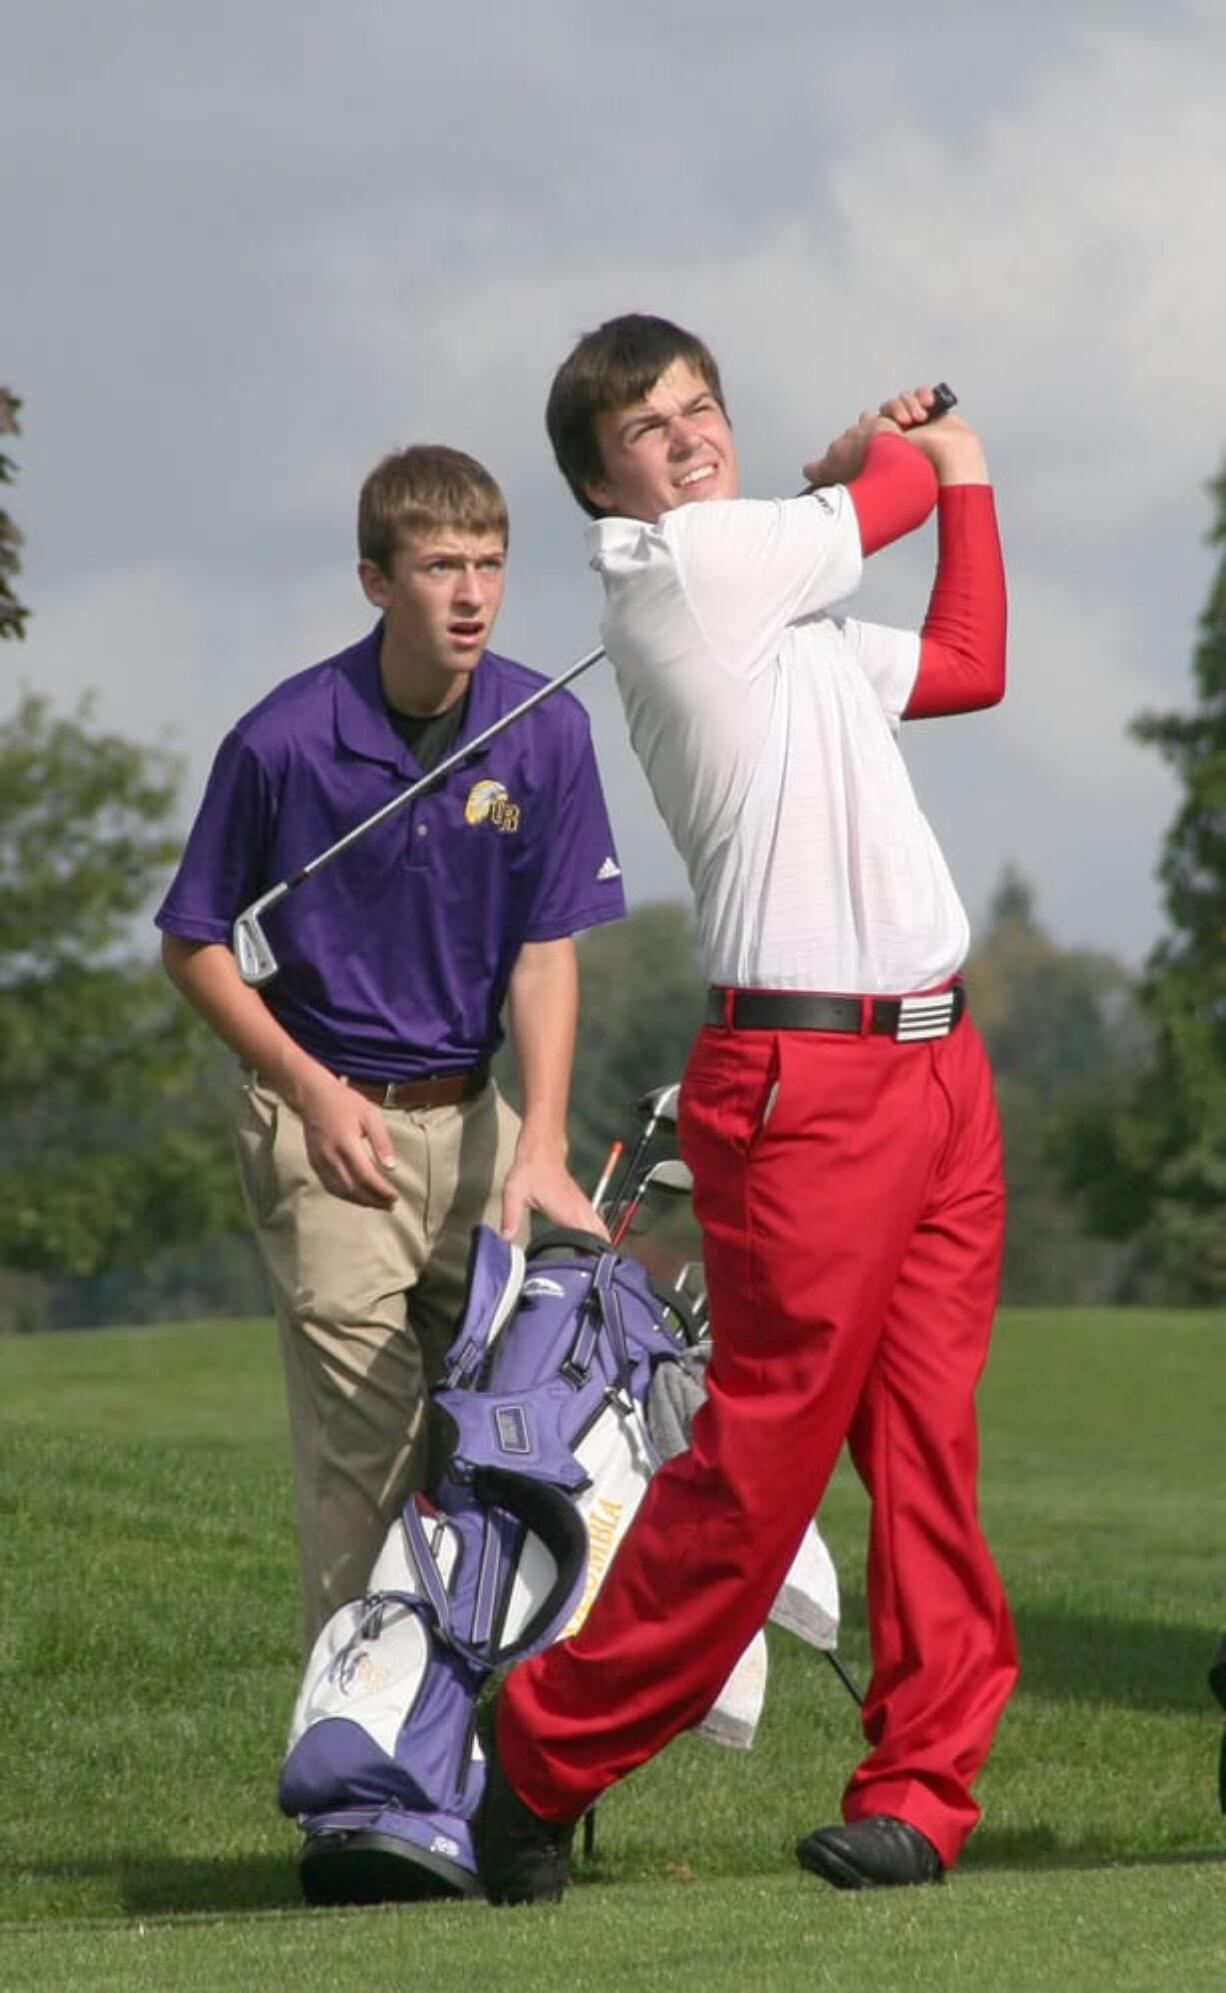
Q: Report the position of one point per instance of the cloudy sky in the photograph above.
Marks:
(246, 249)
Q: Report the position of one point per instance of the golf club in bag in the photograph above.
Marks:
(570, 1376)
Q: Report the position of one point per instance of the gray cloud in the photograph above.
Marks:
(258, 246)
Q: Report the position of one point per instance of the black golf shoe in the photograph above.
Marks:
(877, 1852)
(520, 1857)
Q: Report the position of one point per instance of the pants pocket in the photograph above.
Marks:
(255, 1119)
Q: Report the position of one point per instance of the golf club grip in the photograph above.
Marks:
(944, 399)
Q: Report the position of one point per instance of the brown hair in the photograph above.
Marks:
(612, 368)
(419, 489)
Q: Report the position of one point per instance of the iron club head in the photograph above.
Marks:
(672, 1176)
(256, 962)
(660, 1105)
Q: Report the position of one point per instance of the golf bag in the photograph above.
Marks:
(547, 1386)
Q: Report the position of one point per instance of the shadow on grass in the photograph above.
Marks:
(1037, 1848)
(159, 1885)
(1126, 1663)
(1082, 1657)
(162, 1885)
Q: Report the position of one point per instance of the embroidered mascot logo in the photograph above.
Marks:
(488, 802)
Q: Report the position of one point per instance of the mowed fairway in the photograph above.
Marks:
(148, 1663)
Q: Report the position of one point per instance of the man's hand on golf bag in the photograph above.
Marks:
(540, 1181)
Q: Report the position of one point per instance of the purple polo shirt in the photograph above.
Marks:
(395, 959)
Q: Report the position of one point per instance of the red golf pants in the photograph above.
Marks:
(852, 1201)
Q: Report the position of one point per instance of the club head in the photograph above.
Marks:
(256, 962)
(660, 1105)
(672, 1176)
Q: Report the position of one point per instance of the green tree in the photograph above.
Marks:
(641, 1004)
(642, 998)
(12, 614)
(1064, 1034)
(110, 1145)
(1154, 1168)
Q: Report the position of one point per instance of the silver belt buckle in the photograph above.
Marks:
(925, 1016)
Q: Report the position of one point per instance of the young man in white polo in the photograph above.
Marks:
(837, 1108)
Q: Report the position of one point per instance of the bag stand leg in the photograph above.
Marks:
(845, 1676)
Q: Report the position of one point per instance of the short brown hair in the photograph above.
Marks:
(419, 489)
(611, 368)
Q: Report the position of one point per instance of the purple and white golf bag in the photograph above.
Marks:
(548, 1384)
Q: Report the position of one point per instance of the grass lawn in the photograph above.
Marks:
(148, 1660)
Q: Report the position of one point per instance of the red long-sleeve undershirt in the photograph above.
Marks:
(962, 642)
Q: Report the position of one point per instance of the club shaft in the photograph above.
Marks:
(845, 1676)
(626, 1175)
(606, 1175)
(256, 960)
(445, 767)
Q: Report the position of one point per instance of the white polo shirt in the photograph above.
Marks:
(767, 730)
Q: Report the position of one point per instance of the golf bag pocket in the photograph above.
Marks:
(386, 1706)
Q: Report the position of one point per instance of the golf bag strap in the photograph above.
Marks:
(601, 1309)
(438, 1598)
(474, 1645)
(516, 1505)
(608, 1300)
(500, 1264)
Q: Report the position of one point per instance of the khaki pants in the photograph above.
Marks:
(367, 1302)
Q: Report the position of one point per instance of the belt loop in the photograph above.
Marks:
(720, 1006)
(866, 1015)
(389, 1094)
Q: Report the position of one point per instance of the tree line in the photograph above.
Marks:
(118, 1199)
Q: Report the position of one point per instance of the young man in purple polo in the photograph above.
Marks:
(837, 1108)
(370, 1136)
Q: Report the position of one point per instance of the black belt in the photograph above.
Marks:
(440, 1090)
(931, 1014)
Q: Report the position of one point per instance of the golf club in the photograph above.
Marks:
(671, 1175)
(690, 1284)
(616, 1151)
(660, 1105)
(257, 963)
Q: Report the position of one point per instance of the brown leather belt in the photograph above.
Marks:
(440, 1090)
(931, 1014)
